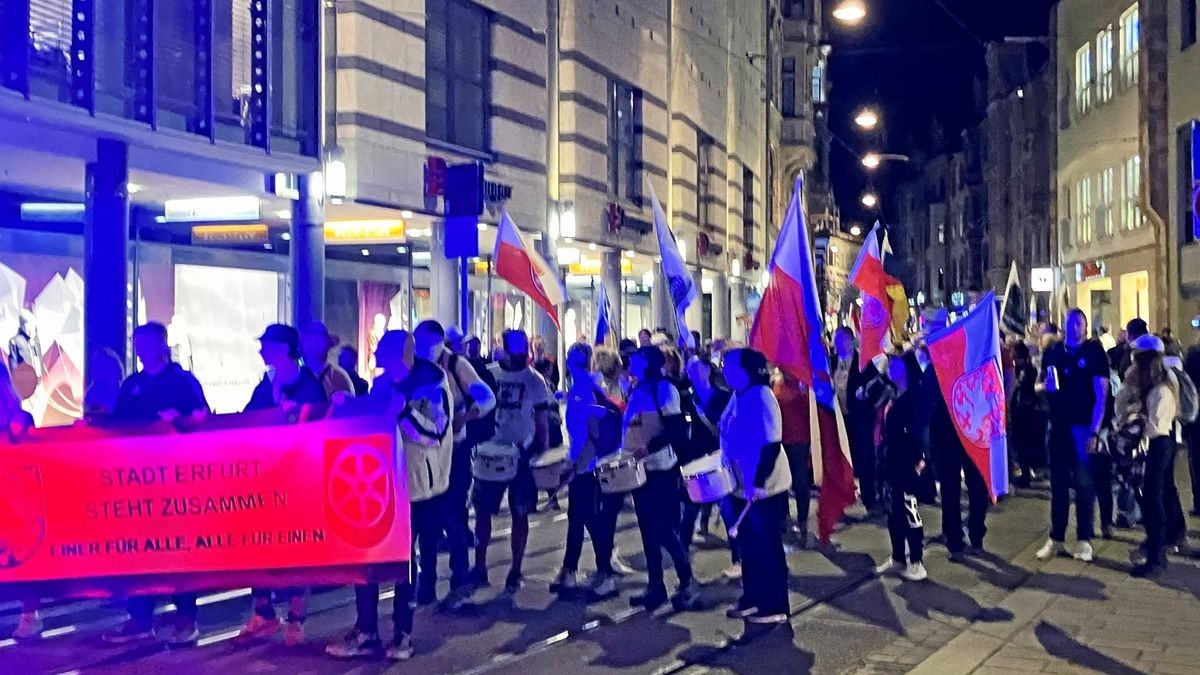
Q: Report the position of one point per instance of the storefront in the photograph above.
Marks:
(1114, 290)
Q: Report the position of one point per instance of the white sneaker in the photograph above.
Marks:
(1083, 551)
(915, 572)
(605, 586)
(733, 572)
(401, 648)
(28, 627)
(565, 581)
(620, 567)
(1050, 549)
(889, 566)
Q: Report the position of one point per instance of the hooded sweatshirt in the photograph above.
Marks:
(426, 432)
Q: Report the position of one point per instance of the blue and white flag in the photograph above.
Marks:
(603, 317)
(679, 280)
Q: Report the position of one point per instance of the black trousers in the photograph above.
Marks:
(1162, 514)
(905, 528)
(1193, 446)
(141, 609)
(862, 454)
(428, 517)
(1071, 469)
(951, 461)
(456, 499)
(1102, 480)
(799, 459)
(692, 512)
(596, 512)
(764, 563)
(657, 504)
(366, 604)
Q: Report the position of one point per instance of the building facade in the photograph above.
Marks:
(1109, 256)
(1019, 172)
(1183, 232)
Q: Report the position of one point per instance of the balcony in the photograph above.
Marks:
(798, 131)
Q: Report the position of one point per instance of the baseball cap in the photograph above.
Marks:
(454, 334)
(319, 328)
(282, 334)
(1149, 343)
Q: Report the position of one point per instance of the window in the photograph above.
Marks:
(1187, 23)
(1186, 183)
(624, 141)
(792, 9)
(1104, 213)
(818, 80)
(704, 161)
(789, 87)
(1131, 35)
(1083, 78)
(748, 208)
(1083, 210)
(456, 71)
(1132, 210)
(1104, 64)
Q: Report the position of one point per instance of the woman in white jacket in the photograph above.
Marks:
(416, 392)
(752, 440)
(1162, 515)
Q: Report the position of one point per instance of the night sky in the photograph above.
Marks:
(917, 67)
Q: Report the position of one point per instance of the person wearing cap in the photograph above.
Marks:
(315, 345)
(161, 390)
(472, 400)
(522, 411)
(348, 360)
(1153, 383)
(416, 393)
(1075, 377)
(286, 384)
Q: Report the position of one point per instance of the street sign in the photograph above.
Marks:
(464, 203)
(1041, 279)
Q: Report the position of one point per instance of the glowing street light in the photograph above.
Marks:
(866, 119)
(850, 12)
(855, 230)
(869, 200)
(872, 160)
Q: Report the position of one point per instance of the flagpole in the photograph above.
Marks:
(491, 307)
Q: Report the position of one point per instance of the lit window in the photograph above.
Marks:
(1104, 64)
(1084, 80)
(1104, 216)
(1083, 193)
(1132, 209)
(624, 141)
(818, 80)
(456, 73)
(1131, 34)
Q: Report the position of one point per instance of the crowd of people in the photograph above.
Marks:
(635, 421)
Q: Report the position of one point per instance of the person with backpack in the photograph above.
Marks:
(415, 393)
(473, 400)
(654, 425)
(593, 432)
(554, 421)
(1157, 388)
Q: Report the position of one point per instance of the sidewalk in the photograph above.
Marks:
(1060, 616)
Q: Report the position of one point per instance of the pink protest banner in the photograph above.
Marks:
(87, 512)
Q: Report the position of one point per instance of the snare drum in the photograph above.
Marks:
(495, 462)
(551, 469)
(709, 479)
(620, 473)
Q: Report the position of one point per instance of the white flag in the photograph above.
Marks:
(679, 280)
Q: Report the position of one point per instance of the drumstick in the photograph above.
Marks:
(733, 531)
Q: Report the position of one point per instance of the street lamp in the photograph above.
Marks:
(872, 160)
(850, 12)
(855, 230)
(869, 200)
(866, 119)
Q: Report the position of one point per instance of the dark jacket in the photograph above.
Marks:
(705, 437)
(902, 447)
(143, 396)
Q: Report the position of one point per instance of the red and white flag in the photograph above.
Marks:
(517, 262)
(870, 277)
(788, 329)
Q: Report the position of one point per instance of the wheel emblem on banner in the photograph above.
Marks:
(360, 486)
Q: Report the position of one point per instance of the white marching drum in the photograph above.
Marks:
(709, 479)
(551, 469)
(495, 462)
(620, 473)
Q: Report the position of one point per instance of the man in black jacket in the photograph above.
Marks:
(859, 413)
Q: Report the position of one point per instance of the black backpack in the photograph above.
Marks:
(610, 428)
(482, 429)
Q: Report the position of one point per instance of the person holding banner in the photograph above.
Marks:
(315, 345)
(654, 424)
(161, 390)
(286, 385)
(752, 438)
(417, 394)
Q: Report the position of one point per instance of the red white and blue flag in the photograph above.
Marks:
(518, 263)
(966, 359)
(788, 329)
(603, 317)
